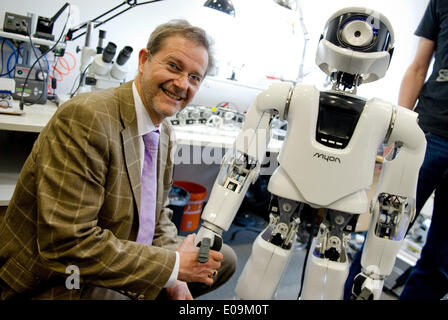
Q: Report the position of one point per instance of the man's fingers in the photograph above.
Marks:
(207, 275)
(216, 255)
(191, 270)
(190, 239)
(213, 263)
(188, 244)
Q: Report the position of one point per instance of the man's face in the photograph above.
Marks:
(167, 81)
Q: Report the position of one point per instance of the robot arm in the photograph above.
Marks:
(393, 205)
(240, 167)
(400, 175)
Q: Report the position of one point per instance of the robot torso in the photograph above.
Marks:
(328, 156)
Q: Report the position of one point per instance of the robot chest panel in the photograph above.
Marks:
(337, 118)
(331, 144)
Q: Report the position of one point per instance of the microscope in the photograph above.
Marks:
(97, 69)
(103, 72)
(326, 162)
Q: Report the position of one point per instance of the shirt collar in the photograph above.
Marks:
(144, 122)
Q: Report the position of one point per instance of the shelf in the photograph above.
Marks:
(36, 41)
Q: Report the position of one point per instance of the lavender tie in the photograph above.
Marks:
(148, 189)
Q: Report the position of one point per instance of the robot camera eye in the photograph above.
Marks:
(357, 33)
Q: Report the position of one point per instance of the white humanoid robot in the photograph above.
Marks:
(326, 162)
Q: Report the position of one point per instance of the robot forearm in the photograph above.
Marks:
(236, 174)
(240, 167)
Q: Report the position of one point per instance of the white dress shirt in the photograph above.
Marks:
(145, 126)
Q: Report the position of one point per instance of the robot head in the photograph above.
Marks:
(356, 45)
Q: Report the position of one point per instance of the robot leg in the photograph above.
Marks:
(271, 252)
(327, 267)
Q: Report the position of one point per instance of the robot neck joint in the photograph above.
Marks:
(343, 81)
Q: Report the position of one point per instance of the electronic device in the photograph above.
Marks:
(35, 90)
(17, 23)
(23, 71)
(44, 27)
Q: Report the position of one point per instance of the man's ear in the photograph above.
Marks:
(142, 59)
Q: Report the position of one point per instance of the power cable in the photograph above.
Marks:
(81, 78)
(3, 43)
(15, 53)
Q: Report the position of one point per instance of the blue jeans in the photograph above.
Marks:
(429, 277)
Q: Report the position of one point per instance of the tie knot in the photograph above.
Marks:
(151, 139)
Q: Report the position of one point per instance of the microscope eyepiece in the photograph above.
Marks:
(109, 52)
(124, 55)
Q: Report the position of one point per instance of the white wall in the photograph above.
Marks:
(266, 41)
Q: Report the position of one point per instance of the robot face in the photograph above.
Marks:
(356, 41)
(359, 32)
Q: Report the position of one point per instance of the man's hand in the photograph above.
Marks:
(190, 270)
(179, 291)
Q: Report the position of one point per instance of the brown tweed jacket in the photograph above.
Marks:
(77, 202)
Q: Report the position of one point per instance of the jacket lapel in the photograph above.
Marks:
(130, 138)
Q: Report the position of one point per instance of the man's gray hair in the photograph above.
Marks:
(185, 29)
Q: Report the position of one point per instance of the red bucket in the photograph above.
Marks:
(193, 209)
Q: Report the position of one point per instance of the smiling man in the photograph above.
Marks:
(93, 194)
(169, 78)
